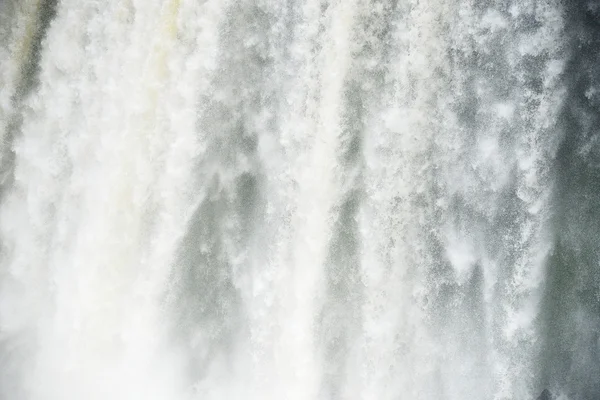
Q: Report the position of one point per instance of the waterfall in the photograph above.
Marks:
(299, 199)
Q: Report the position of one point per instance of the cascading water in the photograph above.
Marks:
(310, 199)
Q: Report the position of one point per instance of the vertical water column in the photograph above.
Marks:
(90, 196)
(24, 26)
(311, 136)
(507, 66)
(397, 215)
(215, 295)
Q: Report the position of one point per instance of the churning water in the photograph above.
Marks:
(299, 199)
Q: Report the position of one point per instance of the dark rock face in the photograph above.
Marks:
(545, 395)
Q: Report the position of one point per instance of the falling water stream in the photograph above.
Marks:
(299, 199)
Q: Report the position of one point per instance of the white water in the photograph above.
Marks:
(277, 200)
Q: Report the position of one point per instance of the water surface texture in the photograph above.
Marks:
(299, 199)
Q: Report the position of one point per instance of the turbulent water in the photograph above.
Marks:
(299, 199)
